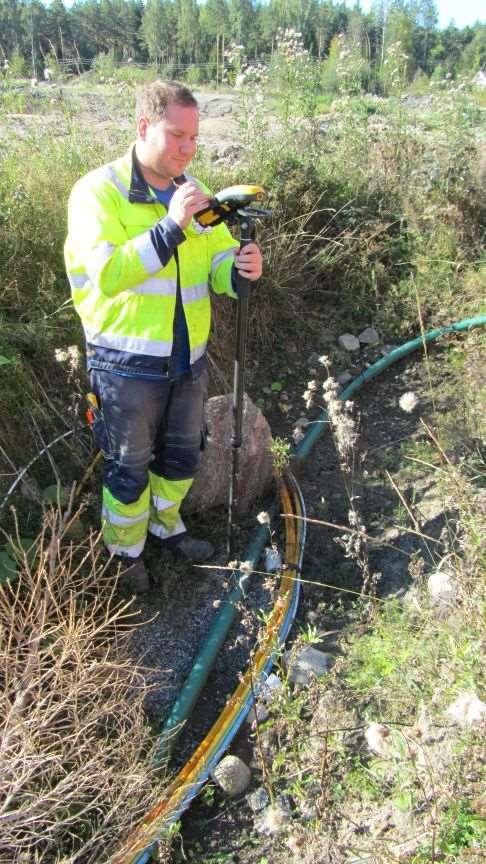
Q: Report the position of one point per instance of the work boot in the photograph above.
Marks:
(195, 551)
(137, 574)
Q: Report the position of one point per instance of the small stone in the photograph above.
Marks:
(349, 342)
(273, 820)
(258, 713)
(269, 688)
(441, 588)
(258, 799)
(232, 775)
(344, 378)
(306, 664)
(369, 336)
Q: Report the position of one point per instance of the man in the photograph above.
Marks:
(139, 268)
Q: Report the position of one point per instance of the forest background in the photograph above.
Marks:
(216, 39)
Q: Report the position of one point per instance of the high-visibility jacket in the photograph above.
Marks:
(124, 295)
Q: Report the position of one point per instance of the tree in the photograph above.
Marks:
(188, 39)
(159, 29)
(10, 28)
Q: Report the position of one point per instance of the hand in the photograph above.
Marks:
(188, 199)
(248, 262)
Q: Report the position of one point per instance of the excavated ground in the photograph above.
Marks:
(226, 830)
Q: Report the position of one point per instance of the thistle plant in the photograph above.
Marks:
(343, 425)
(294, 76)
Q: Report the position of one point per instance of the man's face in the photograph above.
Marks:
(167, 146)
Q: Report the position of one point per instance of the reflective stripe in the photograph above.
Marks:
(198, 352)
(97, 257)
(162, 503)
(78, 280)
(167, 287)
(108, 172)
(146, 252)
(129, 551)
(196, 292)
(132, 344)
(221, 256)
(116, 519)
(163, 533)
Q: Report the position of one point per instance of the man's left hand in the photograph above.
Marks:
(248, 262)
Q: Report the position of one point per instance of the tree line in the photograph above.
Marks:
(211, 33)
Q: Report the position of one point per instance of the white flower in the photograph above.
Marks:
(467, 710)
(263, 518)
(376, 735)
(408, 402)
(246, 567)
(60, 355)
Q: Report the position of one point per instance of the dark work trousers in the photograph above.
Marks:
(151, 433)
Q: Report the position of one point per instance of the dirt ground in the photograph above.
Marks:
(227, 828)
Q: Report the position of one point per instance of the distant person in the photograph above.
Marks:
(47, 73)
(139, 268)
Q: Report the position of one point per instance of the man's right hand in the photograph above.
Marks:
(187, 200)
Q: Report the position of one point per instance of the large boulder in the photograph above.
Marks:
(211, 486)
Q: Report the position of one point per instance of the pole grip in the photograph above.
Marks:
(246, 237)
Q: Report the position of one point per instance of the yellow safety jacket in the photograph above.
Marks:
(124, 295)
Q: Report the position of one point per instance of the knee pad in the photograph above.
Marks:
(177, 463)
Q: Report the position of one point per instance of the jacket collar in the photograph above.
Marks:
(140, 192)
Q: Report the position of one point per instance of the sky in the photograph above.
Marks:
(463, 12)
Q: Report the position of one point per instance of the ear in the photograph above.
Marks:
(142, 126)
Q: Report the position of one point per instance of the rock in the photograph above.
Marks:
(232, 775)
(218, 106)
(230, 152)
(258, 713)
(306, 664)
(349, 342)
(211, 486)
(442, 589)
(369, 336)
(344, 378)
(431, 506)
(258, 799)
(269, 688)
(467, 710)
(273, 820)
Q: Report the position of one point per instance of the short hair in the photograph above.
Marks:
(153, 99)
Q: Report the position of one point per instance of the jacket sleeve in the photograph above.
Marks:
(98, 245)
(222, 248)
